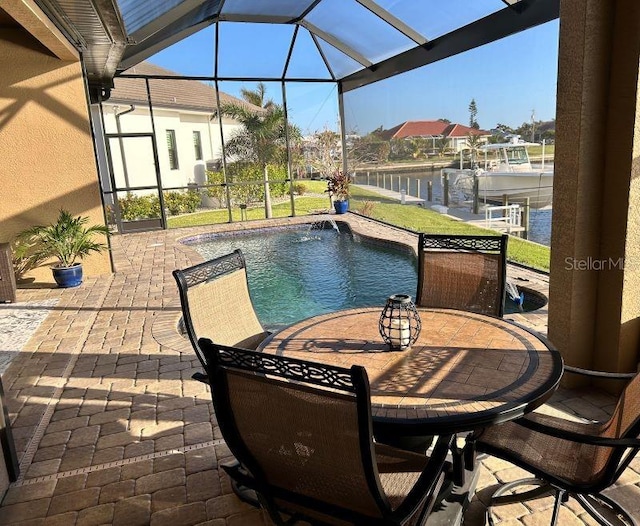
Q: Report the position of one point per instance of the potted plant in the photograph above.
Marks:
(338, 189)
(67, 240)
(25, 255)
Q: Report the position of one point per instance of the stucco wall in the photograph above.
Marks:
(140, 169)
(47, 160)
(139, 156)
(594, 307)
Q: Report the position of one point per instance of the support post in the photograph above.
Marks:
(476, 190)
(525, 217)
(445, 189)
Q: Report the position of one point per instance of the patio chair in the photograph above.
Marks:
(570, 459)
(216, 304)
(301, 432)
(462, 272)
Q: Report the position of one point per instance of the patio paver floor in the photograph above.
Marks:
(111, 429)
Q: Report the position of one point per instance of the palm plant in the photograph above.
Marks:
(263, 136)
(26, 254)
(67, 240)
(473, 144)
(442, 145)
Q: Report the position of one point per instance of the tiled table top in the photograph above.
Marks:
(464, 370)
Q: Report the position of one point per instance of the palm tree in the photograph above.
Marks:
(442, 145)
(263, 136)
(473, 144)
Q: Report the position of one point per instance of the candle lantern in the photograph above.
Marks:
(399, 323)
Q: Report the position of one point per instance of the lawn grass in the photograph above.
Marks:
(304, 205)
(536, 151)
(429, 221)
(411, 217)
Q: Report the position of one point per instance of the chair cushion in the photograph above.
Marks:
(399, 471)
(548, 456)
(222, 311)
(461, 280)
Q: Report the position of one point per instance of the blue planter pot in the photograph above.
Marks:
(341, 206)
(68, 276)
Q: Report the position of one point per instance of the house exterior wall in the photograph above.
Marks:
(47, 160)
(594, 291)
(138, 152)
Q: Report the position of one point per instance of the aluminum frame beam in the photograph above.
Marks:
(338, 44)
(393, 21)
(507, 21)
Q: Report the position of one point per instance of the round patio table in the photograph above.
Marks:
(466, 371)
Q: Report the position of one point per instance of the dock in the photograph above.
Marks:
(390, 194)
(495, 218)
(503, 219)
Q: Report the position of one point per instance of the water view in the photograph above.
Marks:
(417, 184)
(297, 273)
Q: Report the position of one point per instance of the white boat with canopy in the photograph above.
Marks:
(505, 170)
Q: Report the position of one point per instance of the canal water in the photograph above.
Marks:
(417, 184)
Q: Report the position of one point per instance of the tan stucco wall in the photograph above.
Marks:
(594, 311)
(47, 160)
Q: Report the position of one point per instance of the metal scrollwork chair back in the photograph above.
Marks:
(570, 459)
(462, 272)
(216, 304)
(302, 436)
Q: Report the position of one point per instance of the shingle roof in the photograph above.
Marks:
(169, 93)
(431, 129)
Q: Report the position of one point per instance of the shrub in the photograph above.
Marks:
(139, 207)
(251, 173)
(216, 192)
(181, 202)
(300, 188)
(366, 208)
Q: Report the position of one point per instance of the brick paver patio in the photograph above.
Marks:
(111, 429)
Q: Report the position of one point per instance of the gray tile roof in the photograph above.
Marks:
(169, 93)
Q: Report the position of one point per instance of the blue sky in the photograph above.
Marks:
(508, 79)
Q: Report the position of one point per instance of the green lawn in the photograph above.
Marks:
(407, 216)
(429, 221)
(536, 151)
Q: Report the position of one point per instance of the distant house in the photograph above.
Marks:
(185, 126)
(455, 134)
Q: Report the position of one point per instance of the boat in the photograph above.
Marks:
(505, 173)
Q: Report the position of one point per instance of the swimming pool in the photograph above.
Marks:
(299, 272)
(306, 270)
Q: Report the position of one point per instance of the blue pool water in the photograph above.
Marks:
(297, 273)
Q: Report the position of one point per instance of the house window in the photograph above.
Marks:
(197, 144)
(173, 149)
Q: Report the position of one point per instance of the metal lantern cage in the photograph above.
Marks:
(399, 323)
